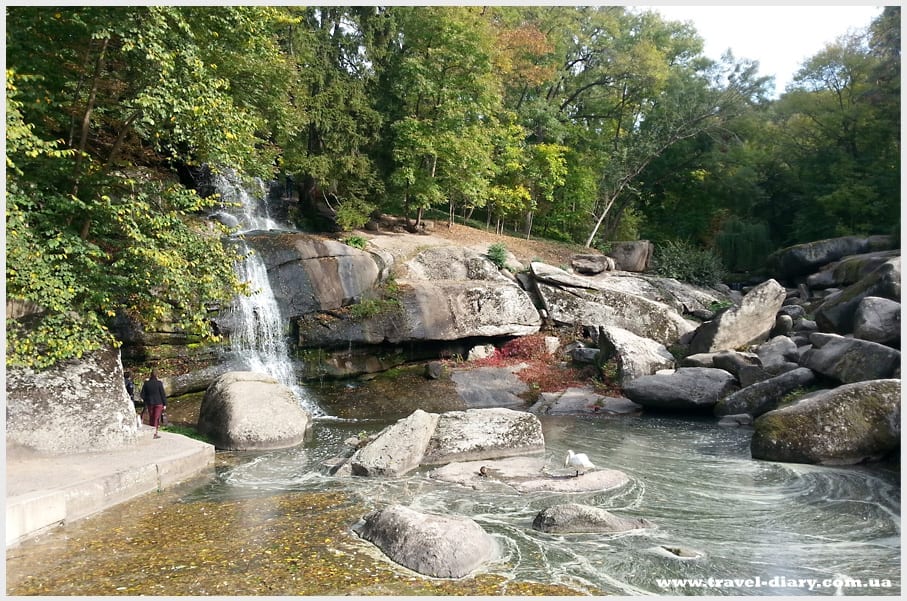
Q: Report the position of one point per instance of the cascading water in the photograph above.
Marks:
(242, 207)
(257, 341)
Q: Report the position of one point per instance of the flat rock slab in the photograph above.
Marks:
(489, 387)
(477, 434)
(584, 401)
(595, 481)
(527, 474)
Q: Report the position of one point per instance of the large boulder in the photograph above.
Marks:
(878, 320)
(568, 518)
(850, 359)
(745, 324)
(432, 439)
(635, 255)
(730, 361)
(443, 310)
(592, 264)
(734, 362)
(804, 259)
(251, 411)
(571, 299)
(582, 401)
(689, 389)
(398, 449)
(837, 312)
(194, 381)
(483, 434)
(684, 298)
(434, 545)
(778, 351)
(849, 270)
(845, 425)
(764, 396)
(310, 273)
(452, 263)
(637, 356)
(78, 406)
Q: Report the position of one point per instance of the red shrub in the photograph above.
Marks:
(526, 348)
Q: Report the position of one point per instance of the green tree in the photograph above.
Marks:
(840, 135)
(546, 172)
(94, 92)
(332, 49)
(441, 88)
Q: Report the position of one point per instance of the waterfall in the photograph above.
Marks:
(242, 207)
(257, 339)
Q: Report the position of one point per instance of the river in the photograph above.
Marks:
(273, 523)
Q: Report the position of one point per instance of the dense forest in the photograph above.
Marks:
(577, 124)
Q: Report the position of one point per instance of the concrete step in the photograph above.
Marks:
(43, 491)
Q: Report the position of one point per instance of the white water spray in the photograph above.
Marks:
(257, 341)
(241, 205)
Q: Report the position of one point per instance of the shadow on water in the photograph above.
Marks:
(272, 523)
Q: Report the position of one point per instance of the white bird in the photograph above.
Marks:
(579, 461)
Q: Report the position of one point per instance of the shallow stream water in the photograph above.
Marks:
(272, 523)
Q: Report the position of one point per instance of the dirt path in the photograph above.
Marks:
(404, 245)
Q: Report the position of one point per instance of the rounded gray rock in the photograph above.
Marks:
(433, 545)
(576, 518)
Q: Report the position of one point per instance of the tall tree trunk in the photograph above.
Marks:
(121, 137)
(86, 127)
(601, 219)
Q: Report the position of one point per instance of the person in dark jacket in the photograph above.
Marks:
(130, 386)
(155, 400)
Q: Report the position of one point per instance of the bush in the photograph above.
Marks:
(525, 347)
(355, 241)
(370, 307)
(497, 254)
(353, 213)
(685, 262)
(743, 246)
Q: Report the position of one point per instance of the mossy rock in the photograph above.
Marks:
(845, 425)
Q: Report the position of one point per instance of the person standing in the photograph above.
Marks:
(130, 386)
(155, 400)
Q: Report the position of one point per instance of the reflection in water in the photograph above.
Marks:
(695, 481)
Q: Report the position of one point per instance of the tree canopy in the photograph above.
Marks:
(582, 124)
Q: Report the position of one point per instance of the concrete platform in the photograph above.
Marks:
(43, 491)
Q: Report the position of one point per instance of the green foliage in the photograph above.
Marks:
(743, 246)
(187, 431)
(841, 137)
(353, 214)
(497, 254)
(336, 117)
(371, 307)
(387, 300)
(629, 225)
(89, 235)
(687, 263)
(445, 96)
(582, 123)
(355, 241)
(716, 306)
